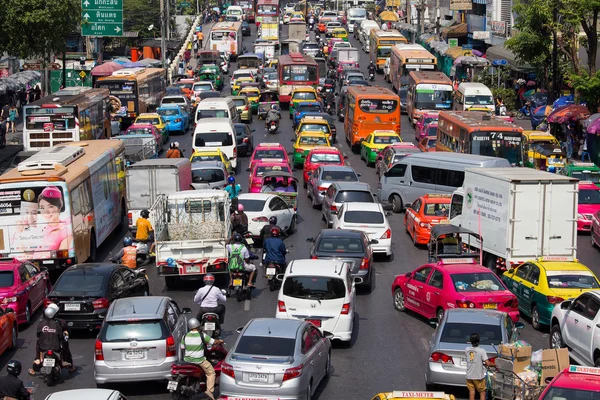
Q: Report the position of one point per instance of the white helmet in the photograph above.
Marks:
(50, 311)
(193, 323)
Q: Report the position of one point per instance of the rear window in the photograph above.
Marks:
(203, 86)
(207, 157)
(138, 131)
(456, 332)
(129, 331)
(207, 175)
(168, 111)
(313, 140)
(476, 282)
(213, 114)
(314, 128)
(173, 100)
(341, 244)
(261, 169)
(436, 209)
(79, 283)
(363, 217)
(266, 346)
(304, 96)
(571, 280)
(353, 196)
(7, 278)
(213, 139)
(339, 176)
(240, 102)
(309, 108)
(314, 287)
(252, 205)
(260, 154)
(325, 158)
(386, 139)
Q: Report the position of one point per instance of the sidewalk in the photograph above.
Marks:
(14, 144)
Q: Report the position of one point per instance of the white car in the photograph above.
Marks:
(259, 207)
(181, 101)
(202, 86)
(88, 394)
(286, 17)
(369, 218)
(321, 292)
(238, 74)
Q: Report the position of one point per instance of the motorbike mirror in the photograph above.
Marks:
(434, 322)
(358, 280)
(224, 292)
(345, 157)
(247, 169)
(310, 239)
(186, 310)
(359, 175)
(140, 271)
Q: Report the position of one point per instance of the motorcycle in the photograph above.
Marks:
(51, 367)
(210, 325)
(371, 76)
(188, 379)
(239, 286)
(502, 109)
(225, 63)
(273, 126)
(329, 108)
(524, 112)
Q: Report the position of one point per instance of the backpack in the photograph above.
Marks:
(236, 261)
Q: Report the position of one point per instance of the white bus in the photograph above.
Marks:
(226, 37)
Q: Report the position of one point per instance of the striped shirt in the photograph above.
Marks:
(193, 346)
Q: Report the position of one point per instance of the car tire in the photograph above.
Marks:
(535, 318)
(439, 314)
(309, 391)
(398, 298)
(27, 314)
(14, 336)
(556, 340)
(396, 204)
(328, 366)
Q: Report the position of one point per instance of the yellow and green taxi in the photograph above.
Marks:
(237, 84)
(413, 395)
(340, 33)
(541, 284)
(375, 142)
(273, 63)
(243, 107)
(301, 94)
(159, 123)
(314, 124)
(252, 94)
(212, 154)
(306, 141)
(542, 151)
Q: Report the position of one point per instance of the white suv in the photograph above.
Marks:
(321, 292)
(576, 324)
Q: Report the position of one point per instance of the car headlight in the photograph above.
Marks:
(580, 216)
(8, 300)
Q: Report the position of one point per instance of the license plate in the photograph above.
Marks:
(48, 262)
(463, 361)
(271, 271)
(264, 378)
(172, 385)
(315, 322)
(193, 268)
(49, 362)
(490, 305)
(209, 326)
(134, 354)
(72, 307)
(237, 282)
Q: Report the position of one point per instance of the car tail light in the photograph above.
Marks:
(364, 264)
(321, 188)
(292, 373)
(333, 207)
(130, 218)
(98, 351)
(171, 347)
(554, 299)
(100, 303)
(246, 108)
(492, 360)
(227, 369)
(512, 303)
(424, 225)
(387, 234)
(345, 309)
(300, 151)
(260, 219)
(313, 257)
(281, 306)
(234, 152)
(465, 304)
(441, 358)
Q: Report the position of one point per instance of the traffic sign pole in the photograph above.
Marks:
(102, 17)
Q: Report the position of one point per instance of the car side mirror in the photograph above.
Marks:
(357, 280)
(565, 305)
(511, 271)
(279, 277)
(359, 175)
(240, 329)
(328, 335)
(519, 325)
(186, 310)
(408, 274)
(247, 169)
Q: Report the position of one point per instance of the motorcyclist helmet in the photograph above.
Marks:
(14, 367)
(193, 323)
(237, 238)
(275, 232)
(209, 279)
(240, 207)
(273, 220)
(231, 179)
(371, 63)
(127, 241)
(50, 311)
(273, 107)
(145, 213)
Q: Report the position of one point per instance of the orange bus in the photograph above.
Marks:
(427, 91)
(481, 134)
(295, 70)
(266, 9)
(409, 57)
(369, 108)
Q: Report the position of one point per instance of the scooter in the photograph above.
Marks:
(502, 109)
(329, 109)
(371, 76)
(273, 126)
(210, 325)
(239, 286)
(524, 112)
(51, 367)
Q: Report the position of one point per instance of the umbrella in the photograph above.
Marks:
(531, 83)
(477, 53)
(564, 101)
(543, 110)
(132, 64)
(150, 62)
(121, 60)
(531, 92)
(587, 122)
(474, 61)
(106, 69)
(594, 127)
(569, 113)
(388, 16)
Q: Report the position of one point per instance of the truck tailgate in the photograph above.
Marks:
(190, 257)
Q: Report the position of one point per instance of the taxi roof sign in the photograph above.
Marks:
(270, 144)
(420, 395)
(577, 369)
(462, 260)
(584, 164)
(556, 258)
(271, 160)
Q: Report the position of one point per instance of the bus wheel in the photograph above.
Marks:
(92, 256)
(123, 222)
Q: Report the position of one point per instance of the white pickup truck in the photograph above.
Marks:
(191, 230)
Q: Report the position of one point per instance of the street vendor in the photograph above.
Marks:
(477, 360)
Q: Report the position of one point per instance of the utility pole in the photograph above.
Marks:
(168, 19)
(163, 43)
(555, 81)
(437, 17)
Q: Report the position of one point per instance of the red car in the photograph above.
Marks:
(452, 283)
(23, 287)
(268, 150)
(321, 156)
(575, 382)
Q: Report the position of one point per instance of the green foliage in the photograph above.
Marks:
(139, 15)
(587, 88)
(32, 28)
(509, 97)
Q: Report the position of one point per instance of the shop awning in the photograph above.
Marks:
(456, 52)
(455, 31)
(501, 53)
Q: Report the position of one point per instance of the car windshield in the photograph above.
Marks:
(460, 332)
(339, 176)
(208, 175)
(341, 245)
(240, 102)
(168, 111)
(261, 169)
(314, 287)
(384, 52)
(477, 282)
(139, 331)
(212, 114)
(592, 176)
(213, 139)
(363, 217)
(153, 121)
(479, 100)
(386, 139)
(80, 282)
(325, 158)
(314, 128)
(309, 108)
(252, 205)
(572, 280)
(260, 154)
(266, 346)
(354, 196)
(558, 393)
(248, 62)
(7, 279)
(205, 157)
(313, 140)
(304, 96)
(587, 196)
(436, 209)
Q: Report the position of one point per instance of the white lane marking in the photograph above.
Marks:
(247, 305)
(425, 343)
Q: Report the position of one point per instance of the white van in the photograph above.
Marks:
(471, 94)
(355, 17)
(217, 133)
(437, 172)
(365, 30)
(217, 108)
(235, 11)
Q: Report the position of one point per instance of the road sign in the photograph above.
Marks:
(499, 62)
(467, 47)
(82, 74)
(54, 66)
(102, 17)
(32, 66)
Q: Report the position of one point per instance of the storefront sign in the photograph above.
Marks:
(461, 5)
(497, 27)
(453, 42)
(481, 35)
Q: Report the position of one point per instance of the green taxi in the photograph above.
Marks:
(304, 142)
(375, 142)
(211, 73)
(584, 171)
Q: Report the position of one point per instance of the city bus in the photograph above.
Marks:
(369, 108)
(409, 57)
(295, 70)
(266, 9)
(59, 205)
(226, 37)
(427, 91)
(134, 91)
(69, 115)
(481, 134)
(381, 43)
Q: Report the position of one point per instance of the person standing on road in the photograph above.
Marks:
(477, 360)
(4, 112)
(200, 39)
(13, 114)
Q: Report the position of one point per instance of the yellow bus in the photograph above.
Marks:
(405, 58)
(59, 205)
(381, 43)
(134, 91)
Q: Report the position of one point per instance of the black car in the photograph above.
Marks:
(208, 94)
(243, 136)
(84, 292)
(174, 91)
(246, 29)
(348, 245)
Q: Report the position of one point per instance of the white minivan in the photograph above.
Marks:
(217, 107)
(235, 11)
(472, 94)
(217, 133)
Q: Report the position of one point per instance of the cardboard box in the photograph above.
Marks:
(520, 356)
(553, 361)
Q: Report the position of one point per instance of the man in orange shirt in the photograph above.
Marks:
(128, 254)
(200, 36)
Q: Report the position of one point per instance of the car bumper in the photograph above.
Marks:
(383, 247)
(318, 197)
(365, 274)
(83, 323)
(106, 374)
(422, 236)
(246, 116)
(584, 225)
(437, 374)
(372, 157)
(176, 127)
(289, 390)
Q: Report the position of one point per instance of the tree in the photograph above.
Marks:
(139, 15)
(33, 28)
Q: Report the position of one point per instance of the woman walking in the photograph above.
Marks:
(13, 114)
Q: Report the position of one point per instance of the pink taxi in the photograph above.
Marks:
(575, 382)
(421, 126)
(255, 179)
(589, 203)
(342, 65)
(268, 150)
(452, 283)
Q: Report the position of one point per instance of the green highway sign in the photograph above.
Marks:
(102, 17)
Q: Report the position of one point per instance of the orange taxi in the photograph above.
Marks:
(255, 178)
(268, 150)
(427, 143)
(321, 156)
(322, 27)
(426, 211)
(186, 85)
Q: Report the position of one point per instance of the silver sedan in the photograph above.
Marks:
(283, 359)
(322, 177)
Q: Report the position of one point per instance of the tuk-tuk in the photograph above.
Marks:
(288, 186)
(448, 241)
(273, 64)
(267, 49)
(138, 147)
(208, 57)
(211, 73)
(266, 100)
(290, 46)
(542, 151)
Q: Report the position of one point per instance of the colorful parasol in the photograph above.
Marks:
(106, 69)
(568, 114)
(543, 110)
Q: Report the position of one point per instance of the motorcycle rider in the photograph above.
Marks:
(49, 337)
(274, 249)
(232, 188)
(371, 68)
(66, 349)
(265, 232)
(193, 344)
(311, 22)
(210, 299)
(273, 115)
(239, 220)
(10, 384)
(239, 258)
(144, 232)
(128, 254)
(329, 99)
